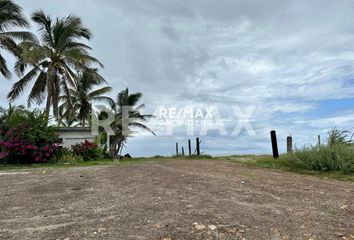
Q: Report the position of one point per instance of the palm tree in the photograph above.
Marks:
(11, 17)
(53, 60)
(130, 102)
(79, 101)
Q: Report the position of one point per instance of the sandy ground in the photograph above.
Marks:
(173, 200)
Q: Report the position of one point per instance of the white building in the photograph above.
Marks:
(73, 135)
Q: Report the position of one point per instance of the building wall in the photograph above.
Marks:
(70, 138)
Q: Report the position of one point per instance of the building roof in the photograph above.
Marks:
(73, 129)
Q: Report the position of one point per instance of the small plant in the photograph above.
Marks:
(66, 156)
(87, 150)
(337, 137)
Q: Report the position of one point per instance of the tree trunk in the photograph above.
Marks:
(121, 148)
(119, 145)
(47, 109)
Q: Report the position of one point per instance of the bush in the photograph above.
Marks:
(337, 137)
(87, 150)
(27, 139)
(65, 155)
(325, 158)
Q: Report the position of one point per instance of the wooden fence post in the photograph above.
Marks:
(189, 147)
(176, 149)
(289, 144)
(182, 151)
(198, 146)
(273, 136)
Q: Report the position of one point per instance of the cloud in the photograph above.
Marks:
(284, 57)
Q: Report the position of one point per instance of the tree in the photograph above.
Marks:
(53, 60)
(130, 102)
(78, 104)
(11, 17)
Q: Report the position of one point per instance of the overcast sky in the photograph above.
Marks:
(292, 60)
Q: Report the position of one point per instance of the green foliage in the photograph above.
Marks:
(129, 102)
(11, 17)
(282, 162)
(66, 156)
(77, 102)
(51, 63)
(318, 158)
(35, 122)
(336, 155)
(337, 137)
(339, 157)
(88, 151)
(25, 137)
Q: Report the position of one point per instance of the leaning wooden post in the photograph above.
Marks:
(182, 151)
(289, 144)
(273, 136)
(176, 149)
(189, 147)
(198, 146)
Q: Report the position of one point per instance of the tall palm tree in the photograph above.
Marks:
(79, 101)
(136, 118)
(53, 60)
(11, 17)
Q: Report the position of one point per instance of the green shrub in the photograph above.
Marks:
(338, 137)
(65, 155)
(338, 157)
(87, 150)
(26, 138)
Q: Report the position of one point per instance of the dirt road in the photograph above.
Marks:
(173, 200)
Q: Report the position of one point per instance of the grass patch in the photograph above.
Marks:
(103, 162)
(100, 162)
(286, 163)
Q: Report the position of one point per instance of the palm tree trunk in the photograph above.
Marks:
(47, 109)
(121, 149)
(119, 144)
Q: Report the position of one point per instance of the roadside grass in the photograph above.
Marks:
(100, 162)
(285, 164)
(103, 162)
(259, 161)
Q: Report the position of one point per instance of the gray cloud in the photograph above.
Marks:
(281, 56)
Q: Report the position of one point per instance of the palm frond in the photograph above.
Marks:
(19, 35)
(37, 93)
(11, 15)
(99, 92)
(3, 68)
(10, 45)
(141, 126)
(107, 100)
(19, 86)
(45, 26)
